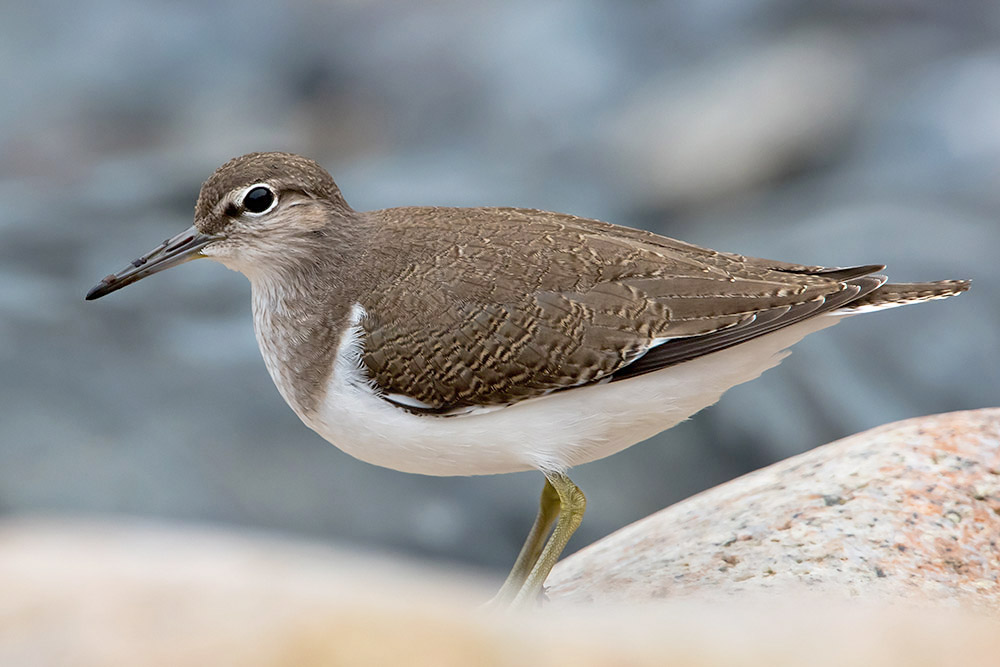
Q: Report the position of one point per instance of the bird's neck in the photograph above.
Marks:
(299, 317)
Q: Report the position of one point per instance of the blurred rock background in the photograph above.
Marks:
(843, 132)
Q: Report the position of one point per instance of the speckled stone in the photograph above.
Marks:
(910, 510)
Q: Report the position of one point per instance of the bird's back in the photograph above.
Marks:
(490, 306)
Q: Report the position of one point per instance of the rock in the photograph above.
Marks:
(907, 511)
(108, 593)
(119, 594)
(804, 562)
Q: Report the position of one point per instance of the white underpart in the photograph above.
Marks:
(554, 432)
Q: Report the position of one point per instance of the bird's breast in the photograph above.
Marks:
(298, 347)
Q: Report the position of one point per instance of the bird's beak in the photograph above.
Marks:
(185, 246)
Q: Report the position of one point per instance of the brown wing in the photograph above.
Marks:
(567, 302)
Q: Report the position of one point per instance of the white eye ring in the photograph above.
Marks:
(257, 199)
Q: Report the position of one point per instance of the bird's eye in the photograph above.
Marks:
(258, 199)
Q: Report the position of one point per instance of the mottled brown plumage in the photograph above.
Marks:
(490, 306)
(565, 301)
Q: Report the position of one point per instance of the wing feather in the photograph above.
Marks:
(568, 302)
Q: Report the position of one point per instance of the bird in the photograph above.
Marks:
(474, 341)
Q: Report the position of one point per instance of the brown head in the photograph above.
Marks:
(255, 211)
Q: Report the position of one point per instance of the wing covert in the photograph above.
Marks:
(586, 307)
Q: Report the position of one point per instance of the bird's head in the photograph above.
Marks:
(256, 213)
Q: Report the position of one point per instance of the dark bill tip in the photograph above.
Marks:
(101, 288)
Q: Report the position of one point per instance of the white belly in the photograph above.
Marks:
(551, 433)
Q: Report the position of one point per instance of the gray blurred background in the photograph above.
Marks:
(841, 132)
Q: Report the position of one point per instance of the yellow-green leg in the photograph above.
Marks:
(535, 561)
(548, 509)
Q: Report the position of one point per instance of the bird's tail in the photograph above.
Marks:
(891, 295)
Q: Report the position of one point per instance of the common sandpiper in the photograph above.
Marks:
(474, 341)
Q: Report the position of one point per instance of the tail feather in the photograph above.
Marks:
(890, 295)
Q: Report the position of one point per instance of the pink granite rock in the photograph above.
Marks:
(910, 510)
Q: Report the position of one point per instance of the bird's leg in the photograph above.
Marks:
(572, 504)
(548, 509)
